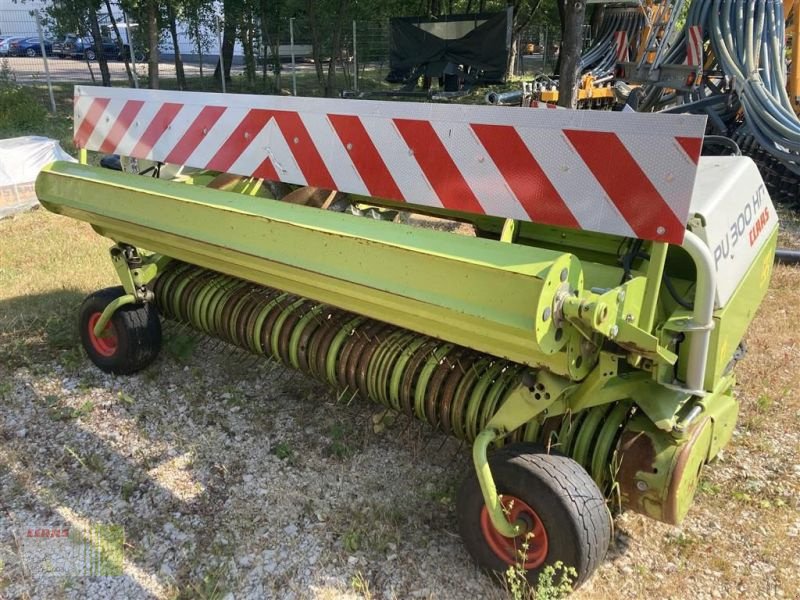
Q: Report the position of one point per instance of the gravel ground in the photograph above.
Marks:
(235, 479)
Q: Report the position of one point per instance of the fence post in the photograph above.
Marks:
(221, 59)
(355, 57)
(46, 66)
(291, 49)
(544, 47)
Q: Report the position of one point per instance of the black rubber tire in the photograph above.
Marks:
(90, 55)
(564, 496)
(137, 327)
(31, 53)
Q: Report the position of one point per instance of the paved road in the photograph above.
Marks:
(29, 70)
(26, 70)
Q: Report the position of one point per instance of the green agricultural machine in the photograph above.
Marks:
(583, 339)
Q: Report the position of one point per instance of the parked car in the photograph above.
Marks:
(58, 44)
(29, 47)
(4, 44)
(84, 47)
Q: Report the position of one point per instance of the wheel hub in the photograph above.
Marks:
(509, 549)
(106, 343)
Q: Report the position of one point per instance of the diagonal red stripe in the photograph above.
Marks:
(697, 35)
(365, 157)
(437, 165)
(96, 109)
(250, 126)
(266, 170)
(627, 185)
(121, 125)
(160, 123)
(692, 146)
(304, 151)
(523, 174)
(194, 135)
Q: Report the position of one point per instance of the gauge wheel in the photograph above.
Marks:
(130, 341)
(564, 512)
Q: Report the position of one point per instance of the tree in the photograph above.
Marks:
(230, 18)
(574, 15)
(80, 16)
(153, 35)
(524, 10)
(120, 44)
(173, 31)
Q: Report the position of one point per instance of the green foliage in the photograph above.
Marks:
(181, 346)
(283, 451)
(21, 111)
(554, 582)
(59, 412)
(210, 587)
(340, 442)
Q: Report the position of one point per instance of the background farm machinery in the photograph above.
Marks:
(734, 62)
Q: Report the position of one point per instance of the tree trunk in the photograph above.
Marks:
(173, 32)
(597, 19)
(570, 56)
(120, 44)
(152, 44)
(520, 23)
(228, 40)
(316, 42)
(98, 47)
(336, 48)
(512, 57)
(246, 34)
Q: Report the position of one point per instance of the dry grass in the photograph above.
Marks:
(741, 540)
(47, 265)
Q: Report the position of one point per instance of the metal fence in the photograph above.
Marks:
(283, 55)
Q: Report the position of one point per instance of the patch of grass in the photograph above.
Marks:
(341, 441)
(360, 586)
(20, 109)
(283, 451)
(48, 264)
(708, 488)
(128, 488)
(181, 346)
(92, 461)
(373, 529)
(352, 540)
(58, 412)
(210, 586)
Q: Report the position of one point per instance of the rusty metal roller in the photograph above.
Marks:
(452, 388)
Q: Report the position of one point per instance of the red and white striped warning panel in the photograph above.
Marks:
(621, 46)
(694, 46)
(625, 174)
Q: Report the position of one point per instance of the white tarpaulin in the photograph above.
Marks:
(21, 159)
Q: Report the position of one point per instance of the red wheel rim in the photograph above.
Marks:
(508, 549)
(106, 345)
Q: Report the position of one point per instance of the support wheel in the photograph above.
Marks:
(131, 339)
(558, 500)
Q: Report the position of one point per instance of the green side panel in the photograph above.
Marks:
(732, 321)
(478, 293)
